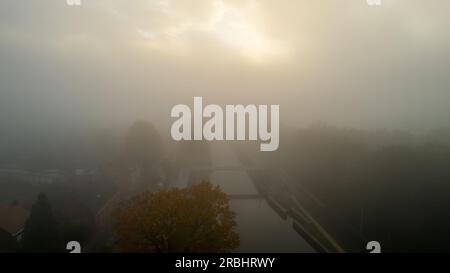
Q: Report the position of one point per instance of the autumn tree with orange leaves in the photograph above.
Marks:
(193, 219)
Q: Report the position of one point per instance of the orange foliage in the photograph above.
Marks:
(194, 219)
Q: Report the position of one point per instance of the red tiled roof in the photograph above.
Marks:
(13, 218)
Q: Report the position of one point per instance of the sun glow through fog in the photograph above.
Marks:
(234, 29)
(230, 26)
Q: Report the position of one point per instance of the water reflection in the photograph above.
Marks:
(259, 226)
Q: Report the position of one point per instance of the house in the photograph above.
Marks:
(12, 219)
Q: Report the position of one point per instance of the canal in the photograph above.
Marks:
(260, 228)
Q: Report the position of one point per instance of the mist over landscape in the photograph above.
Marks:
(85, 100)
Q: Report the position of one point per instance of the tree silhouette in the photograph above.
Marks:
(139, 157)
(41, 232)
(142, 145)
(194, 219)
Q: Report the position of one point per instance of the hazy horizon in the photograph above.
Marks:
(109, 63)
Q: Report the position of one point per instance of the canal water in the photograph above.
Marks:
(260, 228)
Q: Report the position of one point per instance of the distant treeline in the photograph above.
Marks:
(393, 187)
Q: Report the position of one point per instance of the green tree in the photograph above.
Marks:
(41, 231)
(140, 156)
(142, 145)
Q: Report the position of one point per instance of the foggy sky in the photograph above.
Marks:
(113, 61)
